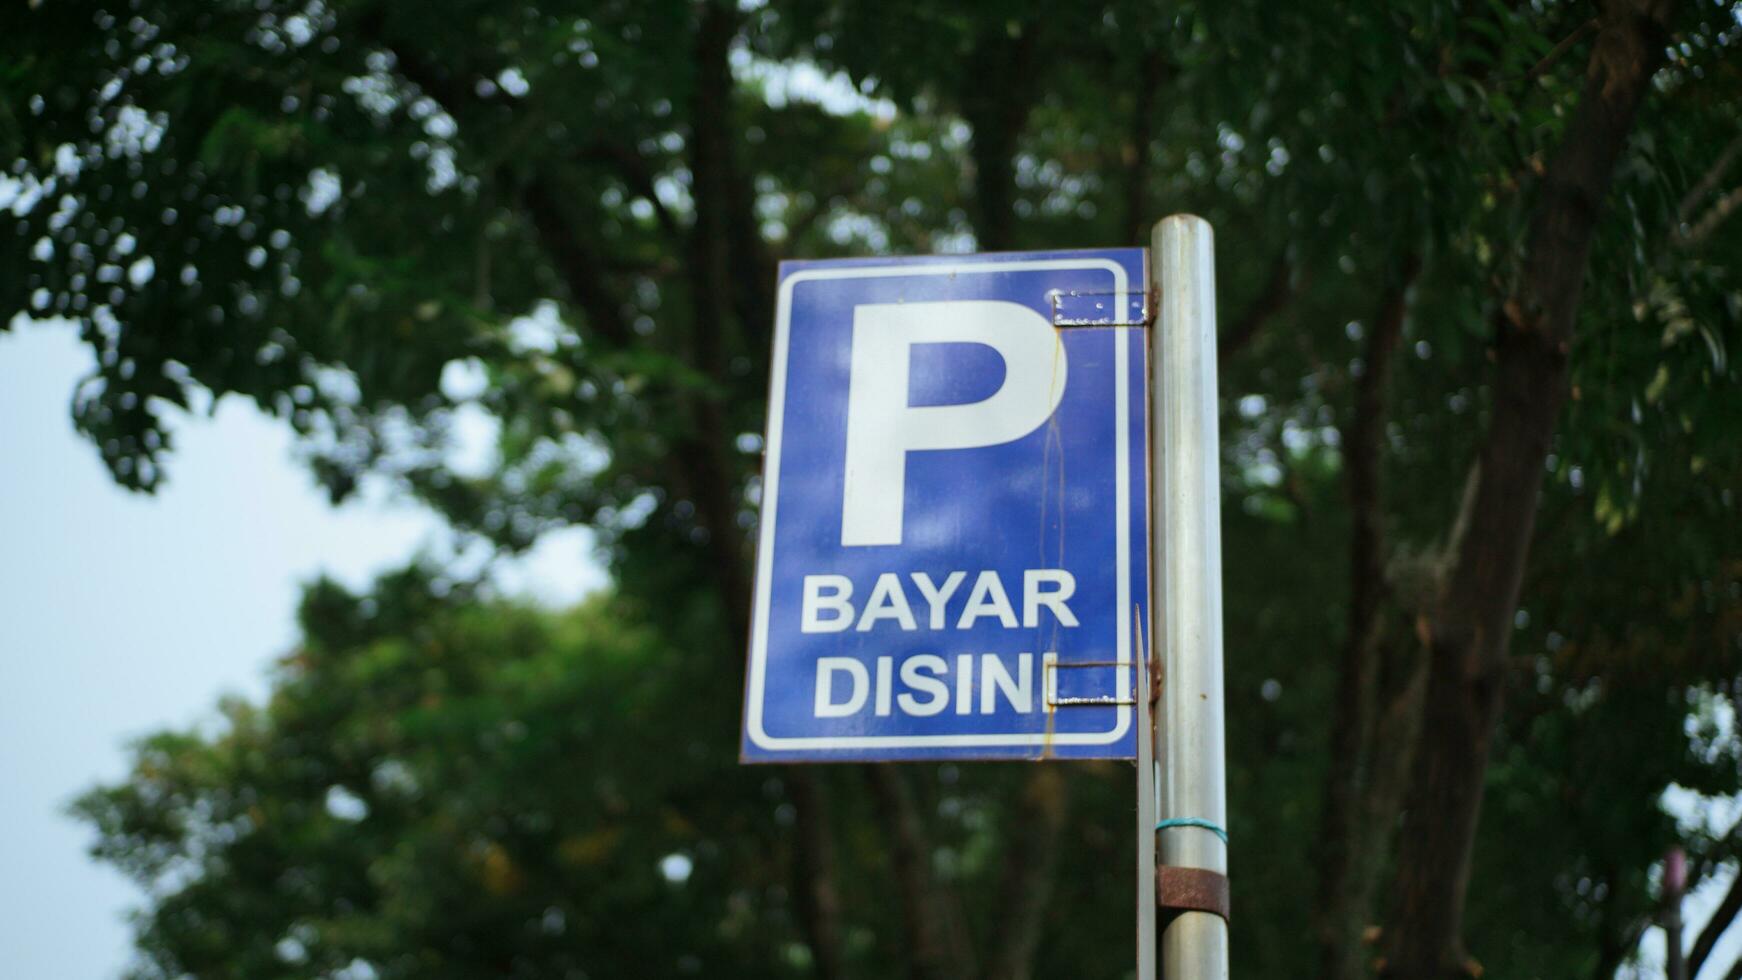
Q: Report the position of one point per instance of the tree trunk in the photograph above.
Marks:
(1030, 860)
(1468, 632)
(1151, 71)
(718, 258)
(936, 947)
(1355, 831)
(819, 901)
(996, 114)
(705, 453)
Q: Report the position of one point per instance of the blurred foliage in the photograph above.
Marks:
(378, 220)
(448, 786)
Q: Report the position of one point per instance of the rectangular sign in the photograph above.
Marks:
(953, 551)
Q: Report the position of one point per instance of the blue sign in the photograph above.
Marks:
(953, 556)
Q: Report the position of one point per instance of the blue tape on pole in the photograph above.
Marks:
(1197, 822)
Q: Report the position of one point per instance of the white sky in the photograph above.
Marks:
(121, 614)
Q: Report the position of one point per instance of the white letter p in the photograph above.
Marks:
(882, 428)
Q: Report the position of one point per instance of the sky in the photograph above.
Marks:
(122, 614)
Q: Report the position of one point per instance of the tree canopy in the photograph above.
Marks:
(1482, 539)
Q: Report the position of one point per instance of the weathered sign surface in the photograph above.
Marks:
(954, 541)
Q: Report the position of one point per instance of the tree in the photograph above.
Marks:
(444, 784)
(1477, 367)
(448, 786)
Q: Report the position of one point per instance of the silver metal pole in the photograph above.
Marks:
(1146, 804)
(1186, 583)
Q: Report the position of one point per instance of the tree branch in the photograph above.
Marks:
(632, 167)
(1559, 50)
(1702, 229)
(576, 263)
(1708, 182)
(822, 202)
(1714, 929)
(579, 268)
(1278, 292)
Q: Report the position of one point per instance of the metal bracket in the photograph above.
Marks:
(1191, 890)
(1049, 668)
(1073, 308)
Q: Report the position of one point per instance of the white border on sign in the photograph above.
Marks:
(771, 500)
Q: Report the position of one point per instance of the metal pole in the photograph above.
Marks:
(1186, 583)
(1146, 802)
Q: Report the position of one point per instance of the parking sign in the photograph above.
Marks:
(953, 550)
